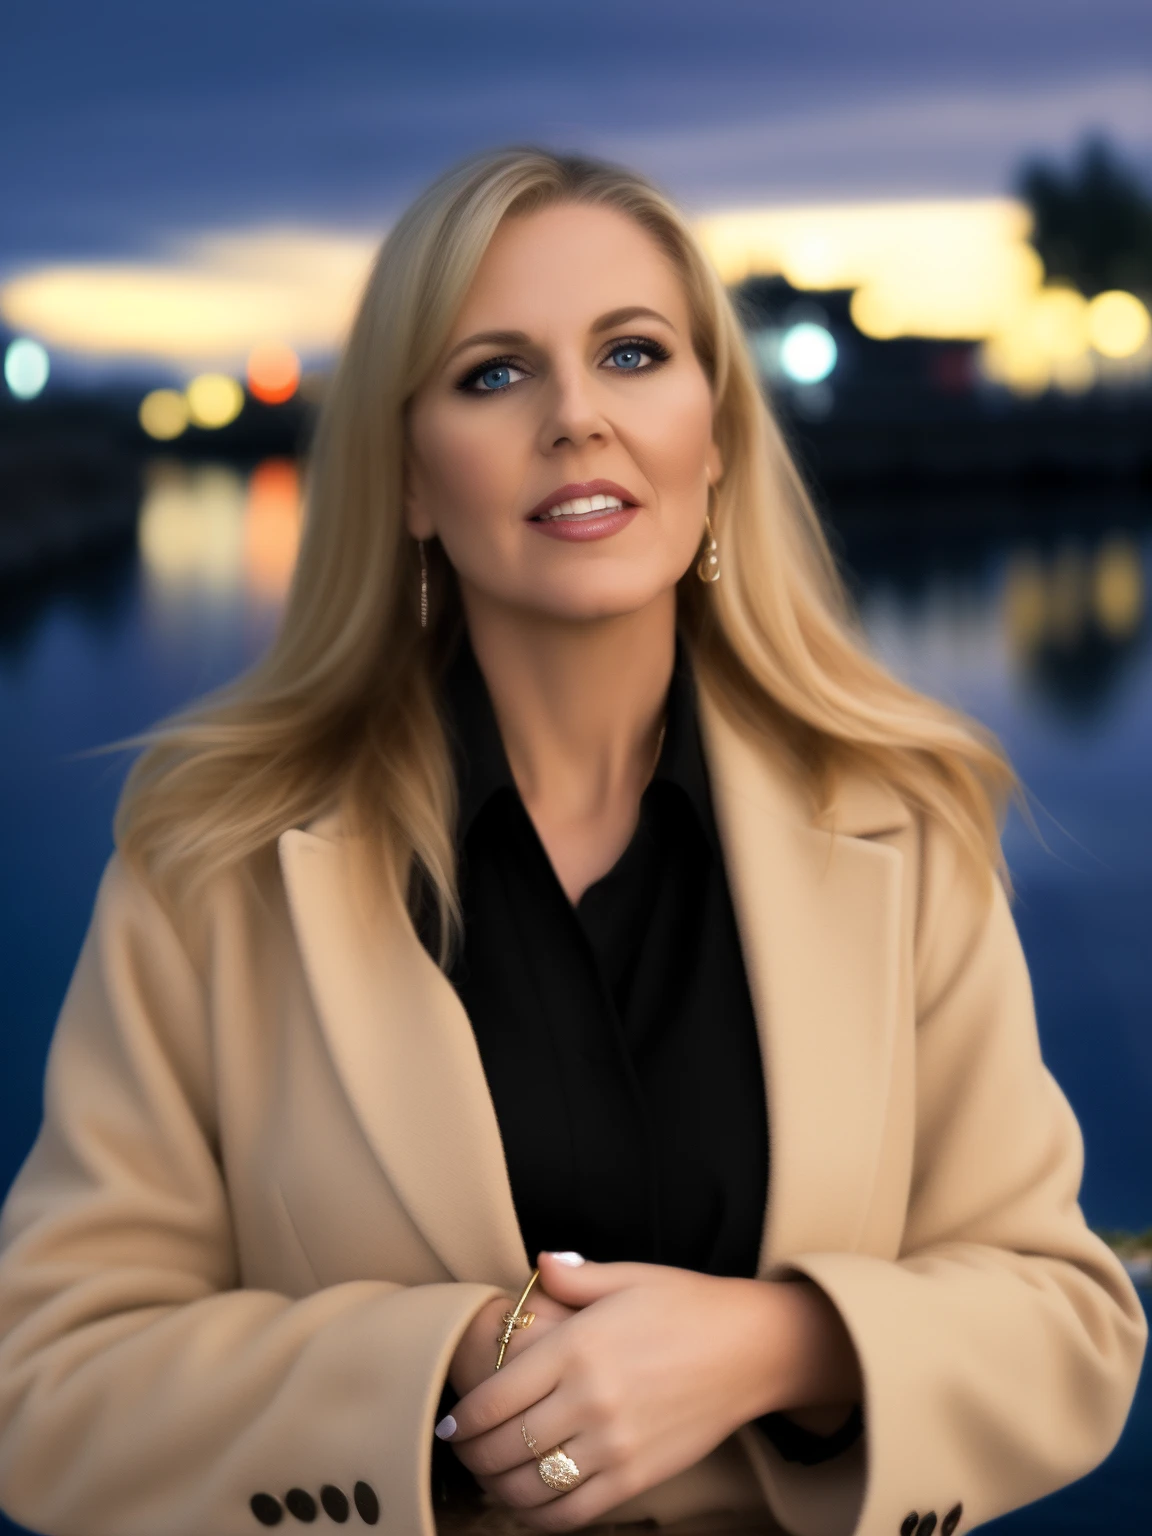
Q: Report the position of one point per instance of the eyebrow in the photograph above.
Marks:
(606, 322)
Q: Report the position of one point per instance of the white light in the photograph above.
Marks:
(807, 353)
(25, 368)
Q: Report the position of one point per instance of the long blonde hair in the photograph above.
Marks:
(341, 712)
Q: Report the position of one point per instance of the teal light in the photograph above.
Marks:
(25, 368)
(807, 353)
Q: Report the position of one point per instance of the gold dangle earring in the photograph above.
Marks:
(708, 565)
(423, 586)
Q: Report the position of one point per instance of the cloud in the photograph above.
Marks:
(942, 142)
(212, 303)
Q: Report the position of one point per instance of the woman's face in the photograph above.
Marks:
(570, 362)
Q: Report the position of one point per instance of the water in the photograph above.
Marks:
(1045, 636)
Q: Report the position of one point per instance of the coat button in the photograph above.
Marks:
(335, 1503)
(951, 1520)
(927, 1525)
(266, 1509)
(367, 1504)
(909, 1524)
(300, 1504)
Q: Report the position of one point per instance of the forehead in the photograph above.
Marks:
(565, 265)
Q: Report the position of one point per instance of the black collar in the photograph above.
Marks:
(481, 762)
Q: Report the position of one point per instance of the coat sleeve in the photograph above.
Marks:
(143, 1390)
(1001, 1349)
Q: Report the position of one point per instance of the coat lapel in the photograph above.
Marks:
(818, 917)
(408, 1060)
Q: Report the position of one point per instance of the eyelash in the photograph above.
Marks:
(659, 352)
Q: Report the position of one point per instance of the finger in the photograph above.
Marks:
(577, 1281)
(516, 1442)
(573, 1511)
(523, 1487)
(547, 1314)
(509, 1392)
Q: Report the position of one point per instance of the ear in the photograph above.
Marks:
(714, 462)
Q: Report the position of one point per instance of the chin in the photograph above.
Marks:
(606, 593)
(590, 605)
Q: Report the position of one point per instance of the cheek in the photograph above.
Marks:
(467, 471)
(675, 438)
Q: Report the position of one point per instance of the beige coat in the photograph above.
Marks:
(270, 1194)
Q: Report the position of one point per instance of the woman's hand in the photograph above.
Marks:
(654, 1370)
(475, 1357)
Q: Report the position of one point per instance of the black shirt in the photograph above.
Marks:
(617, 1034)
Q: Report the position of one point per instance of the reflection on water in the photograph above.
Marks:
(208, 531)
(1058, 627)
(1068, 620)
(1042, 637)
(1079, 620)
(272, 527)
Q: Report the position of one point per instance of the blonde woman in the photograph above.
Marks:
(567, 890)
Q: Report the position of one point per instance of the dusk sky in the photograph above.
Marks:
(127, 128)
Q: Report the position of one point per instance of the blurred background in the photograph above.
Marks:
(937, 221)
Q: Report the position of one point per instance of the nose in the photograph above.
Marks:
(572, 414)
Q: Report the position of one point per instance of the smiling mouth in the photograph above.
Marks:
(582, 506)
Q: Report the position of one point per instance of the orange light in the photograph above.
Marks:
(273, 373)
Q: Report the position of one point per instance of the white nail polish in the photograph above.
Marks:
(446, 1427)
(570, 1258)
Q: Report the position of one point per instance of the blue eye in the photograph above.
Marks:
(496, 378)
(638, 354)
(496, 375)
(490, 378)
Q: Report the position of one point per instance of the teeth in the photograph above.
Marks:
(584, 504)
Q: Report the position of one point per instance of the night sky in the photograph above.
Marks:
(126, 128)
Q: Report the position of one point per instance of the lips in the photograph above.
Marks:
(578, 488)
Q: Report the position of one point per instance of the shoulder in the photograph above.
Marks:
(954, 899)
(178, 926)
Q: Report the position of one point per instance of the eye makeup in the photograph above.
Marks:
(656, 350)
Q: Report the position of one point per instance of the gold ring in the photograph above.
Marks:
(556, 1467)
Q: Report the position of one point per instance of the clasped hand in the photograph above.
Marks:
(648, 1368)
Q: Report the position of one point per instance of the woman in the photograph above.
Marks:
(566, 847)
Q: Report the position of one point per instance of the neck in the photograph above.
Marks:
(580, 705)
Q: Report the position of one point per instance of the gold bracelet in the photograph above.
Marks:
(514, 1319)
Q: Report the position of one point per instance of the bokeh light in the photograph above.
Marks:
(952, 268)
(1118, 323)
(273, 373)
(25, 367)
(1058, 321)
(1048, 340)
(214, 400)
(807, 353)
(164, 414)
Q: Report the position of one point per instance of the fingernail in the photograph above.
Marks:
(569, 1258)
(446, 1427)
